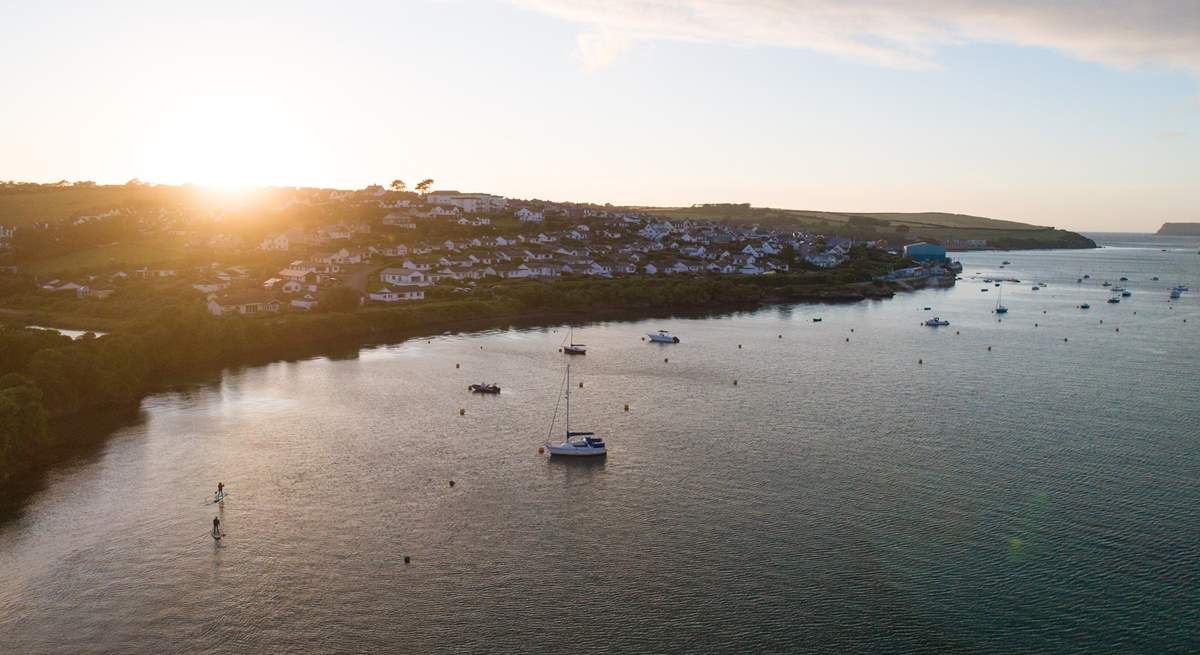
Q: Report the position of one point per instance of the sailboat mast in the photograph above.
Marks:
(568, 402)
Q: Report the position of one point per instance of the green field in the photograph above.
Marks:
(132, 254)
(937, 226)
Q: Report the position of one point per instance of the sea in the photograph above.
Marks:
(1017, 483)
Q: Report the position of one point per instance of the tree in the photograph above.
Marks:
(398, 185)
(423, 185)
(134, 182)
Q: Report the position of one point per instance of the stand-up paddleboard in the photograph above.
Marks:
(218, 498)
(217, 535)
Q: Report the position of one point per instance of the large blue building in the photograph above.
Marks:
(925, 252)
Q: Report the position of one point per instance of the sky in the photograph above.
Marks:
(1081, 115)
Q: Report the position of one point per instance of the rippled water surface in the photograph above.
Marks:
(908, 489)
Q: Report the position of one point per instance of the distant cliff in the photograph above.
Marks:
(1180, 229)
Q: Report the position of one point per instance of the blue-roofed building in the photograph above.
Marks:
(925, 252)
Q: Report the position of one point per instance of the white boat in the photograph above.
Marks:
(936, 322)
(576, 444)
(572, 348)
(663, 337)
(1000, 308)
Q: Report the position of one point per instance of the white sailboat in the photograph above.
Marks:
(576, 444)
(572, 348)
(663, 337)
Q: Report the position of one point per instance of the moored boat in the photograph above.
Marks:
(484, 387)
(936, 322)
(663, 336)
(575, 444)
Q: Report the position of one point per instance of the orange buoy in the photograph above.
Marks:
(541, 450)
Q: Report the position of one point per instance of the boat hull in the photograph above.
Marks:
(559, 450)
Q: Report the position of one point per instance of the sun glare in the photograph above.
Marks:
(225, 142)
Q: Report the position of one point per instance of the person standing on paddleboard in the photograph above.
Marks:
(220, 489)
(216, 531)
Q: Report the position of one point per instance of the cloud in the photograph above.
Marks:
(1171, 135)
(1117, 33)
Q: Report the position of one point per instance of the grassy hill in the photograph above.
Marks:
(893, 226)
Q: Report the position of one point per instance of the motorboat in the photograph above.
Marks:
(484, 387)
(662, 336)
(1085, 306)
(1106, 283)
(1124, 279)
(817, 319)
(1006, 262)
(936, 322)
(575, 444)
(1155, 278)
(1125, 293)
(1114, 300)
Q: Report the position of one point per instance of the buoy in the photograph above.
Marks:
(580, 385)
(407, 559)
(1064, 339)
(452, 483)
(851, 329)
(1101, 321)
(920, 361)
(739, 346)
(1043, 311)
(1118, 329)
(847, 339)
(462, 412)
(627, 407)
(735, 382)
(643, 338)
(457, 365)
(560, 350)
(541, 450)
(781, 336)
(956, 333)
(989, 349)
(1035, 325)
(665, 360)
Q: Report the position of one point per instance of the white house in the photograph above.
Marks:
(404, 277)
(398, 293)
(526, 216)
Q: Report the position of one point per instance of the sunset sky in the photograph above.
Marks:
(1079, 115)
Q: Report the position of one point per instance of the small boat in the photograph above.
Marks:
(572, 348)
(1085, 306)
(983, 291)
(1006, 262)
(1155, 278)
(817, 320)
(1176, 293)
(1125, 293)
(485, 388)
(936, 322)
(1036, 288)
(1124, 279)
(1182, 287)
(1114, 300)
(1106, 283)
(1000, 308)
(663, 337)
(928, 308)
(997, 284)
(1086, 276)
(576, 444)
(1078, 280)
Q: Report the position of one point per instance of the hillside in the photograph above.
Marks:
(934, 226)
(1180, 229)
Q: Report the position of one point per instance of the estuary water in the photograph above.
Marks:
(1030, 484)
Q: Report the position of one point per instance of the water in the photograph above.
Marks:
(1043, 496)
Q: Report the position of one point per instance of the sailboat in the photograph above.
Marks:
(1000, 308)
(576, 444)
(572, 348)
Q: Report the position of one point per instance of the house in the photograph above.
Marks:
(247, 301)
(398, 293)
(526, 216)
(404, 277)
(472, 203)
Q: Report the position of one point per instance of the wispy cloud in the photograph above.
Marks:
(1117, 33)
(1171, 135)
